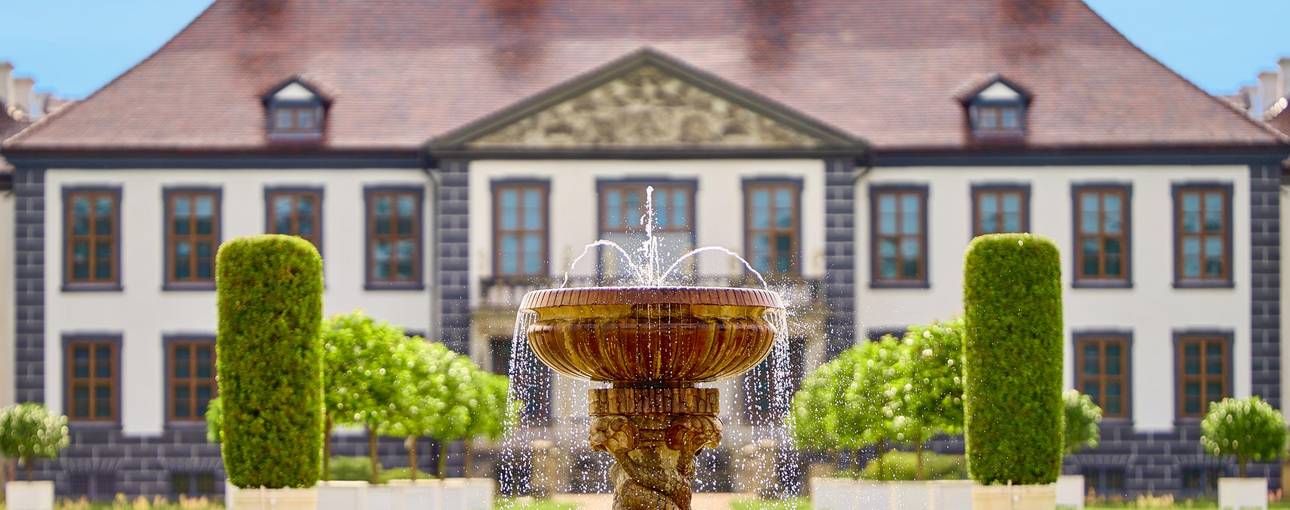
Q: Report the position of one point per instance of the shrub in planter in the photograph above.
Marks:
(365, 377)
(355, 468)
(454, 423)
(814, 418)
(269, 290)
(422, 397)
(903, 466)
(1082, 417)
(492, 416)
(29, 432)
(214, 421)
(1013, 418)
(870, 414)
(1248, 429)
(927, 392)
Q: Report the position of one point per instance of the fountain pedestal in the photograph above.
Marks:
(653, 344)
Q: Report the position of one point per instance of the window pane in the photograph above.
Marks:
(1010, 118)
(783, 208)
(205, 260)
(761, 252)
(1191, 212)
(1113, 359)
(532, 209)
(1091, 361)
(633, 209)
(384, 211)
(783, 252)
(182, 215)
(1093, 391)
(1090, 254)
(183, 397)
(662, 209)
(1213, 256)
(103, 216)
(407, 214)
(102, 401)
(305, 210)
(80, 216)
(282, 118)
(1214, 391)
(81, 260)
(887, 258)
(203, 399)
(205, 361)
(381, 260)
(81, 361)
(1191, 257)
(1213, 212)
(909, 253)
(887, 214)
(680, 208)
(102, 360)
(205, 206)
(81, 397)
(405, 254)
(532, 254)
(909, 220)
(761, 209)
(282, 215)
(613, 208)
(306, 119)
(182, 361)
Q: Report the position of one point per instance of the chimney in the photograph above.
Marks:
(1249, 97)
(22, 94)
(6, 81)
(1284, 63)
(41, 106)
(1267, 91)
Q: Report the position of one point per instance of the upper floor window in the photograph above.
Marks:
(394, 237)
(898, 235)
(1000, 208)
(622, 206)
(92, 380)
(1202, 234)
(190, 381)
(296, 212)
(1102, 225)
(91, 238)
(1102, 371)
(296, 110)
(192, 237)
(520, 228)
(772, 226)
(1203, 372)
(997, 109)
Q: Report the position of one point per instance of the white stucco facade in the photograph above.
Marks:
(1153, 309)
(142, 313)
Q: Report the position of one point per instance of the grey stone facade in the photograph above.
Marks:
(452, 230)
(29, 281)
(839, 254)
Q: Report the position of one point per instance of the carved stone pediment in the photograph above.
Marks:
(646, 107)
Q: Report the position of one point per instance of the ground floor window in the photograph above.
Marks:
(94, 486)
(1104, 482)
(1200, 480)
(191, 485)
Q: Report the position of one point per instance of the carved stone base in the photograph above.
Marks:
(653, 435)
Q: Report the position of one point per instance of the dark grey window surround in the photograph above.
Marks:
(69, 286)
(796, 267)
(925, 249)
(114, 338)
(1022, 187)
(545, 185)
(1080, 336)
(418, 265)
(1228, 337)
(1097, 283)
(218, 216)
(1229, 249)
(322, 212)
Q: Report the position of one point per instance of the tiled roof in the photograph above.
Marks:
(402, 72)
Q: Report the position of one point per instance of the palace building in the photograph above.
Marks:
(445, 157)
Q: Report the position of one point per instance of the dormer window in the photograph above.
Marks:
(996, 109)
(296, 111)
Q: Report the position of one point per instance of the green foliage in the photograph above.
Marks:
(1012, 297)
(927, 391)
(771, 504)
(270, 360)
(545, 504)
(214, 421)
(813, 418)
(29, 432)
(365, 369)
(350, 468)
(1082, 419)
(902, 466)
(1247, 428)
(871, 413)
(423, 395)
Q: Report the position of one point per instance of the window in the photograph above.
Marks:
(761, 389)
(1102, 230)
(190, 378)
(499, 352)
(622, 205)
(1202, 234)
(295, 111)
(898, 230)
(192, 237)
(1201, 480)
(296, 212)
(94, 486)
(772, 226)
(91, 379)
(1102, 362)
(1000, 208)
(300, 119)
(91, 238)
(191, 485)
(996, 109)
(1105, 482)
(520, 229)
(1203, 372)
(394, 238)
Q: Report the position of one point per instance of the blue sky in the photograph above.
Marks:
(73, 47)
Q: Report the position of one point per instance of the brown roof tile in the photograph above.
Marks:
(405, 71)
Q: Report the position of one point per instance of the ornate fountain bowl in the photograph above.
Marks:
(652, 336)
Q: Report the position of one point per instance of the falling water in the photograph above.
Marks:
(567, 433)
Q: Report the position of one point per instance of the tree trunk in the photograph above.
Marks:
(1240, 467)
(467, 447)
(443, 459)
(27, 463)
(372, 456)
(411, 444)
(918, 462)
(326, 467)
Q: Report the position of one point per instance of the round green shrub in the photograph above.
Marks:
(813, 413)
(1247, 428)
(870, 416)
(1012, 298)
(214, 421)
(29, 432)
(269, 291)
(1082, 420)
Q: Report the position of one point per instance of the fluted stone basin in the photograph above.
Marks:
(653, 344)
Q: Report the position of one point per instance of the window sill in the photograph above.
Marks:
(890, 284)
(185, 424)
(188, 286)
(382, 286)
(92, 287)
(92, 425)
(1205, 284)
(1101, 284)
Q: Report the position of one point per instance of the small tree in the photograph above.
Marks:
(492, 416)
(928, 388)
(1248, 429)
(1082, 419)
(813, 413)
(269, 291)
(423, 395)
(365, 377)
(870, 416)
(454, 423)
(214, 421)
(29, 432)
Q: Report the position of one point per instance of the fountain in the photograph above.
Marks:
(652, 343)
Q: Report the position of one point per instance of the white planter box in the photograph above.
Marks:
(384, 497)
(423, 494)
(952, 494)
(342, 495)
(479, 493)
(848, 494)
(1070, 491)
(29, 495)
(273, 499)
(829, 493)
(454, 494)
(1014, 497)
(1242, 493)
(909, 495)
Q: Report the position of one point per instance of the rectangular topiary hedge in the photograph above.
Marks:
(270, 360)
(1012, 298)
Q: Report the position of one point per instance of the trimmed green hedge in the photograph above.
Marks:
(270, 360)
(1013, 411)
(903, 466)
